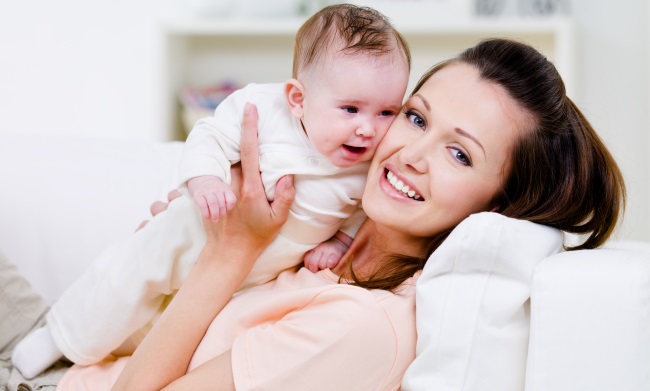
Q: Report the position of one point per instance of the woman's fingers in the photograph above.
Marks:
(252, 187)
(160, 206)
(284, 195)
(173, 194)
(249, 149)
(157, 207)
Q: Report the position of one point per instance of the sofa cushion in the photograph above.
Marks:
(590, 322)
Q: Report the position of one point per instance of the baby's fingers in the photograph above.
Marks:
(332, 261)
(311, 260)
(203, 205)
(213, 202)
(323, 262)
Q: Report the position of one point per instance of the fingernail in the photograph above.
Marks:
(247, 108)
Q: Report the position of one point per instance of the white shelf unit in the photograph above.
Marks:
(197, 52)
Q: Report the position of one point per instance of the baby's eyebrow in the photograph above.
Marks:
(395, 109)
(350, 101)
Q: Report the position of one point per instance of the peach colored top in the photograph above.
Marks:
(302, 331)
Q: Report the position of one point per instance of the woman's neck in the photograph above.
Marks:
(372, 243)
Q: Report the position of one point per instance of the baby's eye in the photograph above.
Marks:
(387, 113)
(461, 156)
(416, 119)
(351, 109)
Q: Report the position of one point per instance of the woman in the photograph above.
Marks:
(491, 130)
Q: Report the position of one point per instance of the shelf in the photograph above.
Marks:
(289, 26)
(202, 51)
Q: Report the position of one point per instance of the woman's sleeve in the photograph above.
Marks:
(341, 340)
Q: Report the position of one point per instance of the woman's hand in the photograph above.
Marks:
(254, 222)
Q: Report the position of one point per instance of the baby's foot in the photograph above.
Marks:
(35, 353)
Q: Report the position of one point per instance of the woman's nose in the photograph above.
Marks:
(413, 155)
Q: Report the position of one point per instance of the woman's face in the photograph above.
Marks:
(446, 154)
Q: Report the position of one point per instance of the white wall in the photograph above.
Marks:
(612, 89)
(80, 67)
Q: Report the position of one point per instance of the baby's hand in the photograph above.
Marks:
(328, 254)
(212, 195)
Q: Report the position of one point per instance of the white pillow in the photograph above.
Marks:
(473, 305)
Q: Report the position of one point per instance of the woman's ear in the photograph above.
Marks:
(295, 93)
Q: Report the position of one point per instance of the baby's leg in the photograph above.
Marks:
(125, 286)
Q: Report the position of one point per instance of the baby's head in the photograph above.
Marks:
(350, 72)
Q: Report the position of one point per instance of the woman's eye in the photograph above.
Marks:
(460, 156)
(350, 109)
(415, 119)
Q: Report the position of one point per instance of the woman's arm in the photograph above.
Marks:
(232, 246)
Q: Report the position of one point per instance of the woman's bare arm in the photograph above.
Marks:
(232, 246)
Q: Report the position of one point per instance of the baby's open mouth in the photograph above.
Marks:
(355, 150)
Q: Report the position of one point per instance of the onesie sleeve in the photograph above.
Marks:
(341, 340)
(213, 144)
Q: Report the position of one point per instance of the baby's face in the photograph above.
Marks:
(349, 104)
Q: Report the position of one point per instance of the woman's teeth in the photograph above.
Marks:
(400, 186)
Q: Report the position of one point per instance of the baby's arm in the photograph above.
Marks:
(213, 196)
(211, 148)
(328, 254)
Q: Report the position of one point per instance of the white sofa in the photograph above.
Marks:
(66, 198)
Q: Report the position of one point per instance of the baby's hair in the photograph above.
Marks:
(348, 29)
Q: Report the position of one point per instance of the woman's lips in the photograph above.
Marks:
(401, 188)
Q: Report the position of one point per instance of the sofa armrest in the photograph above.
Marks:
(590, 322)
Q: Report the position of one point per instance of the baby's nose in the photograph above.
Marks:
(366, 129)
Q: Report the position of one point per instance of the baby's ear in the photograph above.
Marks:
(294, 91)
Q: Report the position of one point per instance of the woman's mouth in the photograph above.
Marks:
(400, 186)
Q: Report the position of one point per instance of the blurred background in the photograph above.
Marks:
(146, 69)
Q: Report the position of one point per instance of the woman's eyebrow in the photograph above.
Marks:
(469, 136)
(424, 101)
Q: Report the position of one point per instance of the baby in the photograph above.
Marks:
(350, 75)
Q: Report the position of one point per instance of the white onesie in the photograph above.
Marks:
(127, 285)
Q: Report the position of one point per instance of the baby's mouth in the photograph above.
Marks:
(354, 150)
(400, 186)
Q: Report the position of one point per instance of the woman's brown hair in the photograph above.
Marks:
(561, 175)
